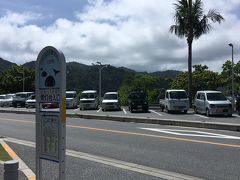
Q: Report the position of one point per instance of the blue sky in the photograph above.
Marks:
(134, 34)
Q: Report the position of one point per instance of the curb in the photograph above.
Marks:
(161, 121)
(22, 166)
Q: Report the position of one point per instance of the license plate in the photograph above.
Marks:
(220, 110)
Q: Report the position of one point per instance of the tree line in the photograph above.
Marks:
(14, 78)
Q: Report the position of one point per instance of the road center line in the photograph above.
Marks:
(137, 134)
(117, 163)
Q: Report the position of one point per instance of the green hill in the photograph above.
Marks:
(4, 64)
(83, 77)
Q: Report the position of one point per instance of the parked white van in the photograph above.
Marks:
(110, 101)
(71, 99)
(88, 100)
(212, 103)
(175, 100)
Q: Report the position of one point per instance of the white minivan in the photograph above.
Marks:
(88, 100)
(212, 103)
(71, 99)
(110, 101)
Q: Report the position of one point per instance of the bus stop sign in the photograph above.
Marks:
(50, 123)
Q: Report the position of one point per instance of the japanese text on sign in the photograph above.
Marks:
(50, 95)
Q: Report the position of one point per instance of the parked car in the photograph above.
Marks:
(50, 105)
(31, 101)
(175, 100)
(71, 99)
(238, 104)
(212, 103)
(2, 98)
(20, 98)
(138, 100)
(88, 100)
(7, 102)
(110, 101)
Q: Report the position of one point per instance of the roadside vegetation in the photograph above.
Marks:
(4, 155)
(11, 81)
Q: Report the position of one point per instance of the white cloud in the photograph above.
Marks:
(122, 33)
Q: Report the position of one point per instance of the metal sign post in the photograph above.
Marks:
(50, 124)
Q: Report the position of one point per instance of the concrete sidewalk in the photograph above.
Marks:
(24, 173)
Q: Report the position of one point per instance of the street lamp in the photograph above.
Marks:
(23, 83)
(101, 66)
(233, 98)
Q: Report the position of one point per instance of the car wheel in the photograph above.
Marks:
(195, 109)
(131, 109)
(162, 108)
(208, 113)
(167, 110)
(185, 111)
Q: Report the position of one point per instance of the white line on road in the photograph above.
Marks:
(125, 112)
(192, 133)
(235, 115)
(155, 112)
(202, 116)
(117, 163)
(99, 109)
(75, 109)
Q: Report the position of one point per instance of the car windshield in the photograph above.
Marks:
(137, 96)
(9, 96)
(2, 97)
(70, 95)
(178, 95)
(110, 96)
(88, 95)
(216, 97)
(21, 95)
(32, 97)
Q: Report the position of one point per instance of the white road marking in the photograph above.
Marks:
(155, 112)
(75, 109)
(159, 173)
(192, 133)
(235, 115)
(99, 109)
(202, 116)
(125, 112)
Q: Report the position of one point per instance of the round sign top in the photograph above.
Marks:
(49, 65)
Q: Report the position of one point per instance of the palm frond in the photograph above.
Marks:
(214, 16)
(177, 30)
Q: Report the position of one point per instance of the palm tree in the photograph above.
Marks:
(191, 23)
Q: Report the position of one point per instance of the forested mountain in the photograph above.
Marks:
(4, 64)
(82, 77)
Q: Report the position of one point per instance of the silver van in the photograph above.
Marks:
(212, 103)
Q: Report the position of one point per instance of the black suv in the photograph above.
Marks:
(20, 99)
(138, 100)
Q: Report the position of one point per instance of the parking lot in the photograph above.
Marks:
(152, 113)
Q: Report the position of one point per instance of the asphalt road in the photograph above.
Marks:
(153, 113)
(207, 154)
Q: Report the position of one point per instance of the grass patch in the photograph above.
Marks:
(4, 155)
